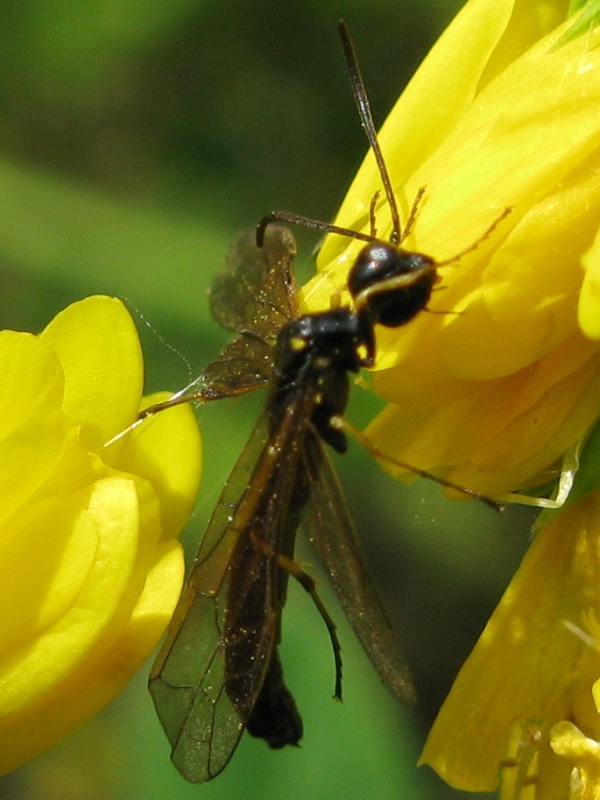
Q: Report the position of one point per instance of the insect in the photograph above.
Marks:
(219, 671)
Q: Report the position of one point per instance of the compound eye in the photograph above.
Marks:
(375, 262)
(391, 284)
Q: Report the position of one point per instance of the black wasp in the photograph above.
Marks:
(219, 670)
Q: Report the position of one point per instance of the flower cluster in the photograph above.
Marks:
(91, 568)
(502, 377)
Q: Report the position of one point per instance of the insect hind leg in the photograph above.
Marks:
(309, 584)
(347, 427)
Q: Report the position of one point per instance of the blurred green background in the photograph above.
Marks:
(136, 139)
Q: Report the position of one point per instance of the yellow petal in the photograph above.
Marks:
(167, 451)
(589, 300)
(414, 128)
(528, 664)
(518, 129)
(584, 753)
(103, 673)
(87, 584)
(74, 598)
(503, 434)
(33, 429)
(98, 347)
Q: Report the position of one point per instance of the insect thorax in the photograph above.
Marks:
(318, 351)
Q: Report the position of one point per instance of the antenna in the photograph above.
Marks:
(366, 118)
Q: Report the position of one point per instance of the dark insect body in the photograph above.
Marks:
(219, 670)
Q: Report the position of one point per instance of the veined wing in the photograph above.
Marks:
(332, 532)
(222, 638)
(255, 293)
(243, 365)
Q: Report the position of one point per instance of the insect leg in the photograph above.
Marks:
(201, 396)
(413, 214)
(309, 584)
(347, 427)
(296, 219)
(372, 220)
(477, 242)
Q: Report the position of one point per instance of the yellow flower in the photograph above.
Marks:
(569, 741)
(529, 669)
(502, 114)
(502, 379)
(89, 564)
(589, 300)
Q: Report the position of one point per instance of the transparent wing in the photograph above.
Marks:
(255, 293)
(221, 641)
(188, 687)
(332, 532)
(243, 365)
(255, 296)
